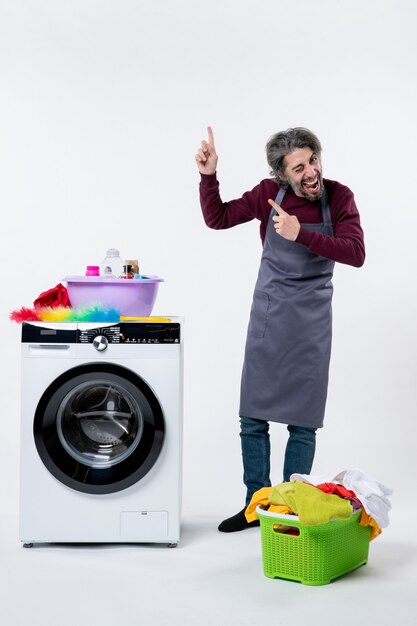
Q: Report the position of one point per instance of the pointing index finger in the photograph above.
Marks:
(210, 136)
(277, 207)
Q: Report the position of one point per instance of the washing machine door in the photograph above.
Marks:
(99, 428)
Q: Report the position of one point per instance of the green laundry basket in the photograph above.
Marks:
(313, 555)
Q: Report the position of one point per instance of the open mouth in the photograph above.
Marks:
(312, 186)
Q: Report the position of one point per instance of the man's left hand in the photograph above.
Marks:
(285, 225)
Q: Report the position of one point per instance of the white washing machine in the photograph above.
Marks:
(101, 432)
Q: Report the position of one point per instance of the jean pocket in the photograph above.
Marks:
(259, 314)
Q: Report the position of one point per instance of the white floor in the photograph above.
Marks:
(209, 579)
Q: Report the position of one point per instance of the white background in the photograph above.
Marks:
(102, 107)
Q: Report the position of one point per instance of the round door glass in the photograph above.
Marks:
(99, 428)
(99, 423)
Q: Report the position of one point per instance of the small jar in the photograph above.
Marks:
(127, 272)
(134, 263)
(92, 270)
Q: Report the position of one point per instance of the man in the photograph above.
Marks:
(306, 224)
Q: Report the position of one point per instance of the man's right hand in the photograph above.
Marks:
(206, 157)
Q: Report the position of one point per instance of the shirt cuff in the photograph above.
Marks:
(305, 237)
(209, 180)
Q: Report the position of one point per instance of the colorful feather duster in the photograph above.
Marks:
(91, 313)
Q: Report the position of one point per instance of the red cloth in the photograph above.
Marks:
(57, 296)
(339, 490)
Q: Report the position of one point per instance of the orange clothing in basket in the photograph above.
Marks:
(367, 520)
(261, 498)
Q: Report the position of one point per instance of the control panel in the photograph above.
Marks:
(129, 333)
(133, 333)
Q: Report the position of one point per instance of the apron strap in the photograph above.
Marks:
(327, 220)
(280, 196)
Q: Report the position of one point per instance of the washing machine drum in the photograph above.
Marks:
(99, 428)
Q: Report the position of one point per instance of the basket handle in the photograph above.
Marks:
(288, 524)
(285, 529)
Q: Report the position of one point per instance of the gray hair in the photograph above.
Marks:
(285, 142)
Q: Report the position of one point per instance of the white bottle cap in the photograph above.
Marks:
(112, 252)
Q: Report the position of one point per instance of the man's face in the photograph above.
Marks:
(302, 169)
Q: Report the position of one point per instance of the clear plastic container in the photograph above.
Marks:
(112, 264)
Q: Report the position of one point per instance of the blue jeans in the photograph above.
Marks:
(256, 453)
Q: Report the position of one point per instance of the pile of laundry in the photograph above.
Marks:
(321, 498)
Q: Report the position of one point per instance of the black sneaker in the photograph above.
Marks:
(237, 522)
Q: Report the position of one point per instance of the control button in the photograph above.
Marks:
(100, 343)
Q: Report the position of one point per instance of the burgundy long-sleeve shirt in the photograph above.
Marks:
(347, 244)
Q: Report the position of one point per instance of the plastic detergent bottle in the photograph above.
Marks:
(112, 264)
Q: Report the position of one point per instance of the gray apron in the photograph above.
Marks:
(287, 355)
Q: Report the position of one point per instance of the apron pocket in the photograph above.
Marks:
(258, 314)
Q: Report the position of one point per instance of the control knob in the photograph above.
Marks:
(100, 343)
